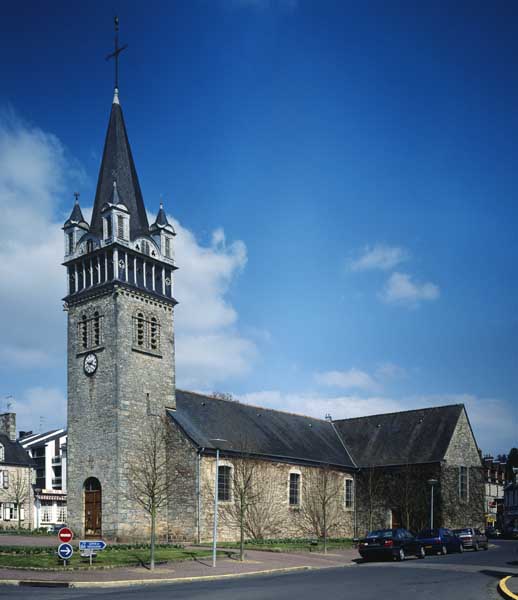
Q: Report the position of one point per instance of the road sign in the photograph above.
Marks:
(65, 535)
(92, 545)
(65, 551)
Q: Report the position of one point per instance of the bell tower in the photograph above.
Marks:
(120, 363)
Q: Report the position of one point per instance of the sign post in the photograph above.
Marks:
(90, 547)
(65, 552)
(65, 535)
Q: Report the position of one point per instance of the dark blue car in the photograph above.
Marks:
(440, 541)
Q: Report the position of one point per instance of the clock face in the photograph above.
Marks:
(90, 364)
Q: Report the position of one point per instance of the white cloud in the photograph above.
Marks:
(401, 289)
(34, 176)
(351, 379)
(379, 257)
(388, 370)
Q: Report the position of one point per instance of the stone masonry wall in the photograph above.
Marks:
(183, 501)
(462, 451)
(108, 410)
(281, 519)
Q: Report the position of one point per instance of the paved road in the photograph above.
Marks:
(473, 575)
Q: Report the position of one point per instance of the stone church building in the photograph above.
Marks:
(121, 378)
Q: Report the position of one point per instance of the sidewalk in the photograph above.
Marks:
(256, 562)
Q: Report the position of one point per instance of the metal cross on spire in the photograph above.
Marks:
(117, 51)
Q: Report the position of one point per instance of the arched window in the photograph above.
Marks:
(141, 324)
(224, 483)
(146, 333)
(294, 491)
(153, 337)
(97, 329)
(2, 453)
(83, 332)
(145, 248)
(89, 245)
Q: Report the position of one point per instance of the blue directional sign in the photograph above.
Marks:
(65, 551)
(92, 545)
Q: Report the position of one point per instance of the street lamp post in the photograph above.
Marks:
(215, 523)
(431, 483)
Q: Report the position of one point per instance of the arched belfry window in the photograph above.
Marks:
(146, 333)
(83, 332)
(97, 328)
(90, 331)
(141, 327)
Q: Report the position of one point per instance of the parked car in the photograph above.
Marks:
(393, 544)
(511, 533)
(493, 532)
(440, 541)
(472, 538)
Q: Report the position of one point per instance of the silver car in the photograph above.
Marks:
(472, 538)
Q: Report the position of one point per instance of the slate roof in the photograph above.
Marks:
(117, 163)
(258, 431)
(413, 436)
(161, 221)
(76, 217)
(14, 453)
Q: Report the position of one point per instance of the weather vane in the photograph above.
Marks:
(115, 54)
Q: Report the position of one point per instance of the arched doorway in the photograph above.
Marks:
(93, 507)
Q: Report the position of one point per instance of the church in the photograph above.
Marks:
(120, 304)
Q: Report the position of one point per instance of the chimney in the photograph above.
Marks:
(8, 425)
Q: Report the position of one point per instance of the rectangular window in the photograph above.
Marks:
(168, 247)
(46, 512)
(294, 489)
(70, 243)
(108, 227)
(120, 227)
(349, 495)
(224, 483)
(5, 479)
(463, 483)
(62, 513)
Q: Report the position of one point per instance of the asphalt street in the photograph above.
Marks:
(472, 575)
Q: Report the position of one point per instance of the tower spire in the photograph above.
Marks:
(115, 56)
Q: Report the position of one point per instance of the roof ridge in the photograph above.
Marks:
(284, 412)
(399, 412)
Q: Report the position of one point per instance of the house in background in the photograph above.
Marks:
(48, 451)
(495, 482)
(16, 478)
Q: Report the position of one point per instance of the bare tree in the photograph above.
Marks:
(18, 490)
(150, 475)
(370, 489)
(322, 506)
(254, 506)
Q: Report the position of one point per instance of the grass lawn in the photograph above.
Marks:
(289, 546)
(111, 557)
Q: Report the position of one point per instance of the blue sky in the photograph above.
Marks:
(342, 175)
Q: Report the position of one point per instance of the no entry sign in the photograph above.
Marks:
(65, 535)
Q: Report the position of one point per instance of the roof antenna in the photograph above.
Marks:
(328, 417)
(115, 55)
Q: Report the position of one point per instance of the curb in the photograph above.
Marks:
(135, 582)
(504, 590)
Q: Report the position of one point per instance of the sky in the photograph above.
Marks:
(342, 179)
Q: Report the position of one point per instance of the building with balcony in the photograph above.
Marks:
(49, 453)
